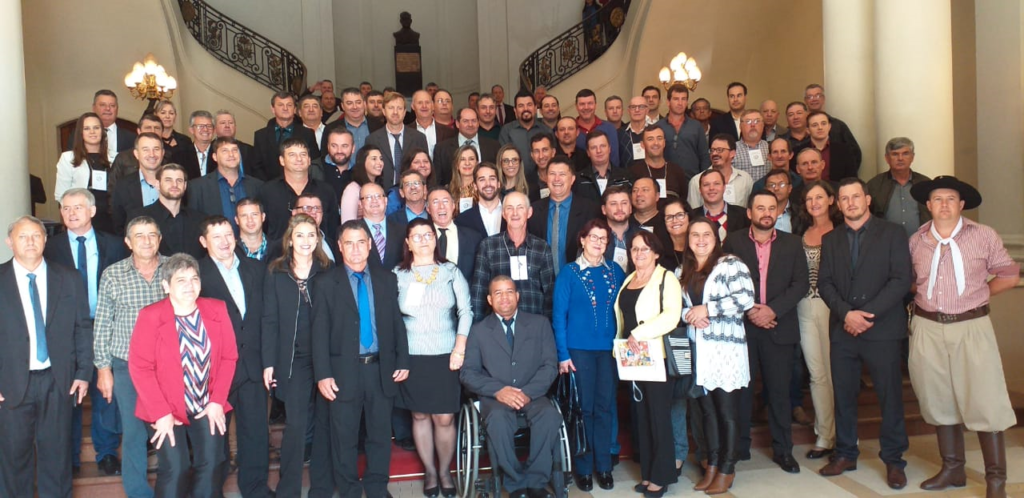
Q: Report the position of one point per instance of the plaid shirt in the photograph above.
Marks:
(493, 258)
(742, 160)
(122, 294)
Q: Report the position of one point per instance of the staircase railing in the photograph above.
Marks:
(248, 52)
(571, 51)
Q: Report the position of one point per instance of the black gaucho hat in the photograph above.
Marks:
(970, 195)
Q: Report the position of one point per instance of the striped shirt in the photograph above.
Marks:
(195, 348)
(983, 255)
(123, 293)
(436, 315)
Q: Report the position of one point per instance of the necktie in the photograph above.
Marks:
(398, 155)
(501, 114)
(855, 250)
(556, 249)
(378, 239)
(508, 331)
(42, 353)
(202, 162)
(83, 262)
(954, 254)
(442, 241)
(365, 323)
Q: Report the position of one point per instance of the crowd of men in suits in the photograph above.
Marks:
(742, 169)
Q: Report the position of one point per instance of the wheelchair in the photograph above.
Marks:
(471, 440)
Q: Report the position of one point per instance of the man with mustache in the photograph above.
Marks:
(520, 131)
(778, 267)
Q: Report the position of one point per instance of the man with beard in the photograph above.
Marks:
(738, 183)
(336, 167)
(646, 214)
(484, 217)
(617, 210)
(457, 244)
(685, 141)
(778, 268)
(178, 224)
(542, 151)
(520, 131)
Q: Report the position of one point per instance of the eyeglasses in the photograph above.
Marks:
(421, 237)
(817, 96)
(414, 183)
(675, 217)
(597, 239)
(774, 185)
(203, 126)
(751, 122)
(308, 209)
(510, 160)
(640, 250)
(720, 150)
(372, 197)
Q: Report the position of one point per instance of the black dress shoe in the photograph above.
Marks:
(640, 488)
(814, 454)
(656, 494)
(585, 482)
(406, 444)
(895, 477)
(743, 457)
(538, 493)
(110, 465)
(615, 460)
(449, 492)
(518, 493)
(787, 463)
(605, 480)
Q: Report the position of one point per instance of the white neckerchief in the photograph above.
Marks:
(958, 259)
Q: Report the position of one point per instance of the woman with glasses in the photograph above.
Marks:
(584, 325)
(510, 172)
(287, 347)
(369, 166)
(647, 308)
(717, 290)
(462, 187)
(434, 299)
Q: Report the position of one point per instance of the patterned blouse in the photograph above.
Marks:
(194, 346)
(813, 261)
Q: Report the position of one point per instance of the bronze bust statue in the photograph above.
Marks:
(406, 36)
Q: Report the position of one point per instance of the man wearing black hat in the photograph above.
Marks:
(955, 366)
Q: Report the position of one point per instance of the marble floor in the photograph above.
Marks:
(760, 478)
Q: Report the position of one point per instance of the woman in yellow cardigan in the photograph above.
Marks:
(649, 306)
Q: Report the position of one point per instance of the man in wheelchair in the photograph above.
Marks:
(510, 364)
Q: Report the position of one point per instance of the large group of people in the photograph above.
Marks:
(358, 270)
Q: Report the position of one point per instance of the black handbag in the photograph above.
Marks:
(568, 399)
(678, 355)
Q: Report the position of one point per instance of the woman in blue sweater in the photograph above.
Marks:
(584, 324)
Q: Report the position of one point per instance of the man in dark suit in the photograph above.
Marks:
(394, 138)
(839, 157)
(47, 355)
(89, 251)
(457, 244)
(360, 354)
(104, 104)
(485, 216)
(444, 152)
(198, 160)
(238, 281)
(283, 126)
(864, 275)
(224, 127)
(778, 267)
(219, 191)
(510, 364)
(559, 218)
(125, 164)
(387, 236)
(178, 224)
(505, 113)
(141, 190)
(728, 123)
(728, 217)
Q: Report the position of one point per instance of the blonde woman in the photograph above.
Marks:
(462, 188)
(511, 176)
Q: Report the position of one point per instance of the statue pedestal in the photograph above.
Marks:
(408, 69)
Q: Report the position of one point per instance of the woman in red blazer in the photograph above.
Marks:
(181, 359)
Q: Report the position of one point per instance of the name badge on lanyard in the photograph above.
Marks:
(638, 152)
(663, 185)
(518, 266)
(621, 258)
(414, 294)
(602, 183)
(98, 179)
(756, 158)
(465, 204)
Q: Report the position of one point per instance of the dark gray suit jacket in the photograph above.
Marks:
(204, 193)
(410, 138)
(248, 330)
(491, 364)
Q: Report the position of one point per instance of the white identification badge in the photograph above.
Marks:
(99, 180)
(756, 158)
(621, 258)
(602, 183)
(465, 204)
(664, 188)
(648, 228)
(638, 152)
(544, 193)
(730, 194)
(414, 293)
(518, 266)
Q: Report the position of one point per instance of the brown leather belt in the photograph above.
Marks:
(954, 318)
(369, 358)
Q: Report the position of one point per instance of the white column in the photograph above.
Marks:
(848, 48)
(14, 190)
(914, 80)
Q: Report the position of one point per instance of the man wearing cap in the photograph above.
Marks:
(955, 366)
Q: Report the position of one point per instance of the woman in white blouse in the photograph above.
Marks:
(86, 166)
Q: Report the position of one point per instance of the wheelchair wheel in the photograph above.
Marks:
(561, 474)
(467, 451)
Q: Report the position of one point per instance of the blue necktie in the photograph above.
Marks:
(83, 262)
(42, 353)
(365, 324)
(508, 331)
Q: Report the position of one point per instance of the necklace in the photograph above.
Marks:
(433, 276)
